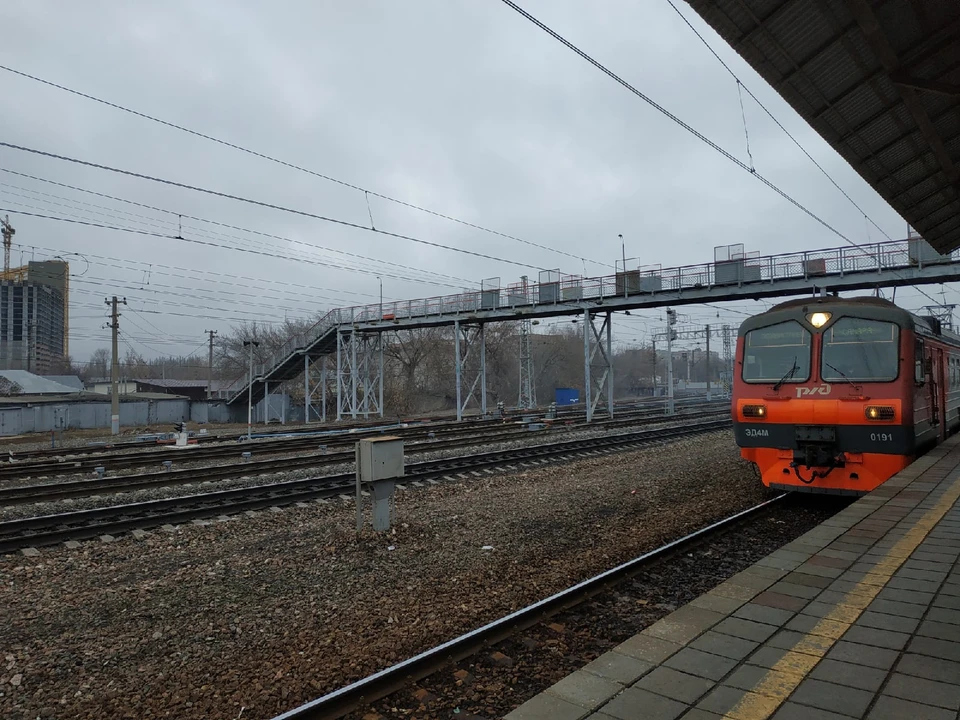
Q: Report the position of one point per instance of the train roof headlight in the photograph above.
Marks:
(819, 319)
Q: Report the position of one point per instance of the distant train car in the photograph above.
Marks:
(836, 395)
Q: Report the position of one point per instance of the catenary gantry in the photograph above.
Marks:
(344, 349)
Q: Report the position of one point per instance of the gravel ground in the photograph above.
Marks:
(494, 682)
(106, 499)
(261, 614)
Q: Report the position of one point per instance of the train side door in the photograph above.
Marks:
(940, 389)
(932, 368)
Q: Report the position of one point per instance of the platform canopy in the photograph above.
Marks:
(879, 80)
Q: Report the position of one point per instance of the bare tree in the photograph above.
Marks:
(99, 365)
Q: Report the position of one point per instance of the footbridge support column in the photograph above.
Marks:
(469, 342)
(597, 363)
(359, 373)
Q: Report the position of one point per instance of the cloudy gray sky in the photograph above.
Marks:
(459, 106)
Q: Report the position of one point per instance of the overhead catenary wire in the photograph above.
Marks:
(265, 204)
(196, 241)
(299, 168)
(180, 216)
(686, 126)
(763, 107)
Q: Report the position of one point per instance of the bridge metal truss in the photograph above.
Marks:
(355, 335)
(597, 353)
(469, 343)
(359, 378)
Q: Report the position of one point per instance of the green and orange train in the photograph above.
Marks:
(836, 395)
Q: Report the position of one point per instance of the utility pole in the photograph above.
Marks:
(252, 344)
(708, 363)
(114, 325)
(653, 374)
(212, 334)
(671, 321)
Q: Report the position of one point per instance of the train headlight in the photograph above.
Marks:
(879, 412)
(755, 411)
(819, 319)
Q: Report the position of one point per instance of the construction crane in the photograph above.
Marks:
(8, 233)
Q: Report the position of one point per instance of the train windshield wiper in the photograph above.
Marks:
(789, 374)
(839, 372)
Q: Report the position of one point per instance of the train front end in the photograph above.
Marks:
(819, 402)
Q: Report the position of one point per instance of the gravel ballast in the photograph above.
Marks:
(262, 613)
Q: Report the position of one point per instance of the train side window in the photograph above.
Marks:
(918, 375)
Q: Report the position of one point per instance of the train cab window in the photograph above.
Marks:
(855, 349)
(777, 353)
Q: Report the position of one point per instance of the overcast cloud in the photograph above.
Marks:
(457, 105)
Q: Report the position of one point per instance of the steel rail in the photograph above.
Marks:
(48, 492)
(86, 457)
(156, 456)
(85, 524)
(385, 682)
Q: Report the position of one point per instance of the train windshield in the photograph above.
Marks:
(855, 349)
(777, 353)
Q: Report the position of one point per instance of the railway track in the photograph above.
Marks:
(85, 524)
(47, 492)
(84, 458)
(401, 675)
(156, 456)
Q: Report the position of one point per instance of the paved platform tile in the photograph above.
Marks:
(944, 615)
(877, 638)
(835, 698)
(725, 645)
(849, 675)
(882, 621)
(675, 685)
(585, 689)
(792, 711)
(891, 708)
(763, 614)
(921, 690)
(635, 703)
(862, 655)
(647, 648)
(943, 631)
(933, 647)
(705, 665)
(547, 707)
(746, 629)
(897, 609)
(619, 667)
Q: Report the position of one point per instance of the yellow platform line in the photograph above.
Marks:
(783, 678)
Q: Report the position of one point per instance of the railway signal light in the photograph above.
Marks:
(180, 427)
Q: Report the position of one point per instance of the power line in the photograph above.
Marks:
(263, 203)
(772, 117)
(178, 272)
(207, 243)
(732, 158)
(180, 216)
(296, 167)
(421, 276)
(689, 128)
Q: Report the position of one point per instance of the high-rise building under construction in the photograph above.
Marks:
(34, 316)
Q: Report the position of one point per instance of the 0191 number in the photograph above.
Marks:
(881, 437)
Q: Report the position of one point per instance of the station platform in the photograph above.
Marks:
(858, 618)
